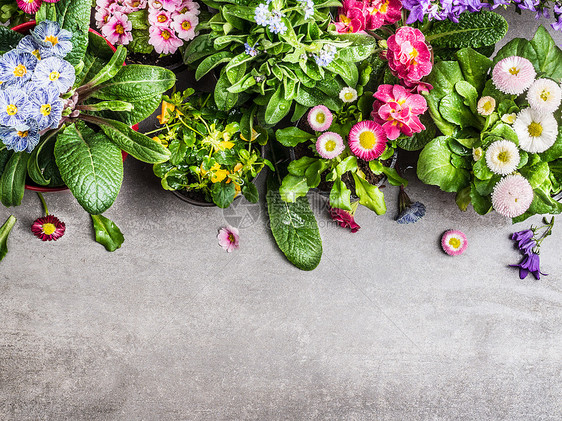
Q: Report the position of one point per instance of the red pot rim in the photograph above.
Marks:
(24, 29)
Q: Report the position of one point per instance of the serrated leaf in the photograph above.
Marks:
(9, 39)
(107, 233)
(5, 230)
(90, 165)
(294, 228)
(12, 182)
(111, 68)
(472, 30)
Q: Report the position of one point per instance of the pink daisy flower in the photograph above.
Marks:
(513, 75)
(454, 242)
(48, 228)
(164, 40)
(329, 145)
(185, 25)
(367, 140)
(134, 5)
(229, 239)
(512, 196)
(320, 118)
(117, 30)
(29, 6)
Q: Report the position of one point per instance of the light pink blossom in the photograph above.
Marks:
(229, 238)
(118, 29)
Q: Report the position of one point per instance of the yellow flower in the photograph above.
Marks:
(217, 173)
(225, 144)
(167, 109)
(254, 136)
(238, 167)
(163, 142)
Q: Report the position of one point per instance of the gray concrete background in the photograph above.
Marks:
(170, 327)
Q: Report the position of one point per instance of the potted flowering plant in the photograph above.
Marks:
(66, 108)
(211, 162)
(499, 121)
(150, 29)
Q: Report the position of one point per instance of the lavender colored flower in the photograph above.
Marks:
(325, 56)
(522, 236)
(251, 50)
(308, 6)
(13, 107)
(52, 37)
(16, 68)
(29, 45)
(22, 137)
(530, 264)
(262, 14)
(45, 106)
(417, 9)
(276, 24)
(56, 72)
(410, 212)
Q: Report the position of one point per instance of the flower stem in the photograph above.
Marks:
(44, 203)
(547, 232)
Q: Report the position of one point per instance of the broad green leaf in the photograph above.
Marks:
(482, 204)
(299, 166)
(107, 233)
(200, 47)
(555, 151)
(313, 173)
(481, 170)
(469, 93)
(434, 167)
(135, 144)
(12, 182)
(294, 228)
(452, 109)
(4, 233)
(110, 69)
(112, 105)
(139, 19)
(536, 174)
(224, 99)
(474, 67)
(90, 165)
(549, 55)
(472, 30)
(136, 81)
(292, 136)
(277, 107)
(517, 47)
(250, 192)
(418, 140)
(211, 62)
(140, 43)
(463, 198)
(142, 109)
(9, 39)
(293, 187)
(223, 194)
(5, 156)
(369, 195)
(340, 196)
(362, 48)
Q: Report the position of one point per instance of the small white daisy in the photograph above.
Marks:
(512, 196)
(544, 95)
(502, 157)
(348, 94)
(329, 145)
(509, 118)
(513, 75)
(477, 153)
(536, 131)
(486, 105)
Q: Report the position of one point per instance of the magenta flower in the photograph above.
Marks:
(164, 40)
(408, 55)
(117, 30)
(367, 140)
(48, 228)
(345, 218)
(184, 25)
(397, 110)
(382, 12)
(530, 264)
(228, 238)
(351, 17)
(32, 6)
(454, 242)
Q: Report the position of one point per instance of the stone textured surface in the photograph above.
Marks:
(170, 327)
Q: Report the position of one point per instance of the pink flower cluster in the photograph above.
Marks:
(171, 22)
(359, 15)
(408, 55)
(32, 6)
(397, 110)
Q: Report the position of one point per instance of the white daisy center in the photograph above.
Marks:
(330, 146)
(320, 118)
(514, 70)
(535, 129)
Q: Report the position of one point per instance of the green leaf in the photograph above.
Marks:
(12, 182)
(140, 43)
(136, 81)
(481, 170)
(110, 69)
(139, 19)
(292, 136)
(107, 233)
(293, 187)
(369, 195)
(362, 48)
(555, 151)
(463, 198)
(482, 204)
(223, 194)
(340, 196)
(313, 173)
(434, 167)
(549, 56)
(418, 140)
(542, 204)
(473, 30)
(9, 39)
(142, 109)
(73, 15)
(135, 144)
(250, 192)
(211, 62)
(277, 107)
(224, 99)
(536, 174)
(294, 228)
(452, 109)
(90, 165)
(474, 67)
(469, 93)
(4, 233)
(517, 47)
(299, 166)
(112, 105)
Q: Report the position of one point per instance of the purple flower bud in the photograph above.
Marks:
(530, 264)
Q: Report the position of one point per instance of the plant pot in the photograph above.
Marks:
(24, 29)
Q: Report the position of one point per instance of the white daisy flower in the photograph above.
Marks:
(544, 95)
(536, 131)
(513, 75)
(486, 105)
(348, 94)
(502, 157)
(512, 196)
(477, 153)
(509, 118)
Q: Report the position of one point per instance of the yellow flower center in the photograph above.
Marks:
(514, 71)
(36, 54)
(23, 134)
(367, 140)
(54, 75)
(231, 238)
(330, 145)
(20, 70)
(166, 35)
(52, 39)
(48, 228)
(348, 96)
(455, 243)
(45, 109)
(535, 129)
(503, 156)
(12, 109)
(119, 29)
(186, 26)
(545, 95)
(320, 118)
(488, 106)
(162, 18)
